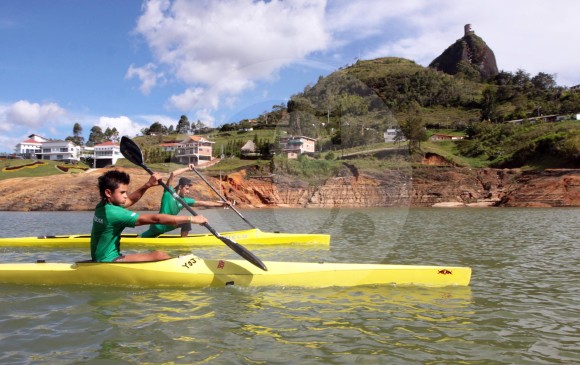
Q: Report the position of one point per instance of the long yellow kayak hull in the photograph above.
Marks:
(191, 271)
(243, 237)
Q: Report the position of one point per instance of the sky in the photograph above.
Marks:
(127, 64)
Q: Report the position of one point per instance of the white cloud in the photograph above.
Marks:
(20, 119)
(192, 97)
(124, 125)
(146, 74)
(220, 48)
(8, 143)
(359, 19)
(27, 114)
(205, 116)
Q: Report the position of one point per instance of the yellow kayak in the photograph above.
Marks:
(191, 271)
(244, 237)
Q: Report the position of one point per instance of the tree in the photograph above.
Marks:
(183, 126)
(76, 138)
(156, 128)
(413, 128)
(197, 127)
(488, 105)
(114, 135)
(96, 136)
(521, 79)
(544, 81)
(108, 135)
(352, 104)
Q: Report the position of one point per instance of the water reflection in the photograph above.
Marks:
(198, 323)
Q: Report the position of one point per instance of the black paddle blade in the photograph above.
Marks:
(131, 151)
(242, 251)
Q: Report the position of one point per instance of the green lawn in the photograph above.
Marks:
(33, 168)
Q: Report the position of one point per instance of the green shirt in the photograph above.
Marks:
(169, 205)
(108, 224)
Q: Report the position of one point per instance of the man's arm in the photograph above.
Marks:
(210, 204)
(169, 220)
(172, 174)
(137, 194)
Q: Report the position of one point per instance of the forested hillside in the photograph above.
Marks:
(510, 119)
(501, 116)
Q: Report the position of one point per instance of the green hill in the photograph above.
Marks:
(503, 119)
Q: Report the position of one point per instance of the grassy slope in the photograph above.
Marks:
(46, 169)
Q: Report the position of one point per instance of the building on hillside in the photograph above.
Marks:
(293, 146)
(106, 153)
(169, 146)
(87, 152)
(30, 148)
(195, 150)
(444, 137)
(65, 151)
(391, 134)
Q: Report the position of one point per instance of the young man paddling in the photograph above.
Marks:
(169, 205)
(111, 218)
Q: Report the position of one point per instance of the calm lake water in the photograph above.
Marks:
(522, 307)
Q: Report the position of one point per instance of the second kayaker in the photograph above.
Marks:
(169, 205)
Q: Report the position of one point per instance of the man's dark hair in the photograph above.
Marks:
(111, 180)
(183, 181)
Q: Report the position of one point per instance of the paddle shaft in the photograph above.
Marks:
(221, 196)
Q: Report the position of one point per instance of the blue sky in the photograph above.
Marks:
(130, 63)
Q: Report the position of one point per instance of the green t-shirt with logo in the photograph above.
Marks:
(169, 205)
(108, 224)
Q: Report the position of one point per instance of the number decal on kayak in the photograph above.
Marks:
(444, 272)
(189, 263)
(236, 237)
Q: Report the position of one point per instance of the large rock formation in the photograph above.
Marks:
(468, 55)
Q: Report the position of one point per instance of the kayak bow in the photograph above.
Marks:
(193, 272)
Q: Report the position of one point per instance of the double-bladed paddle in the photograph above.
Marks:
(221, 196)
(132, 152)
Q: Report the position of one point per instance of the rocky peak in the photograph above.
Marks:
(469, 55)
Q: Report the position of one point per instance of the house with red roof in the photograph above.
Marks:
(195, 150)
(31, 147)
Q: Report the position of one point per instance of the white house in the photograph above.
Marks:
(30, 148)
(194, 149)
(294, 146)
(391, 134)
(106, 153)
(60, 151)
